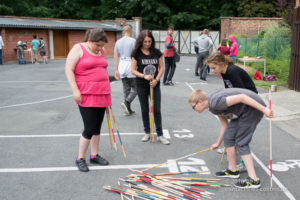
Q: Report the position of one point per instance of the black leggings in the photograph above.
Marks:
(92, 119)
(144, 94)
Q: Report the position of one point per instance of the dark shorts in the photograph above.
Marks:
(43, 53)
(92, 119)
(240, 135)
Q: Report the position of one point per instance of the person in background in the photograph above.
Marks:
(43, 50)
(204, 43)
(87, 75)
(122, 63)
(35, 48)
(223, 49)
(233, 48)
(1, 47)
(144, 55)
(169, 58)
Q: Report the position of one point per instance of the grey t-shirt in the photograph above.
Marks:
(244, 113)
(124, 47)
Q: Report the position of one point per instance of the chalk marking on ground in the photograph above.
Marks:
(276, 180)
(33, 81)
(165, 131)
(37, 102)
(57, 169)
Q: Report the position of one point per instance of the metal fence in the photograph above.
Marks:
(273, 48)
(294, 77)
(183, 40)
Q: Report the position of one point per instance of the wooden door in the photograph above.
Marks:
(61, 43)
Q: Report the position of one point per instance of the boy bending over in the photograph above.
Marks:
(244, 109)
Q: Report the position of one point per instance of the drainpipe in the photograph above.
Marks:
(51, 44)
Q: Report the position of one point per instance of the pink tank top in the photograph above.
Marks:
(92, 80)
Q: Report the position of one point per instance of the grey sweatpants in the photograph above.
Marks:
(129, 89)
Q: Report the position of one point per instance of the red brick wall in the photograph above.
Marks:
(245, 25)
(12, 36)
(78, 36)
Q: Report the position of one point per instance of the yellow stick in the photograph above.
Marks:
(109, 130)
(222, 158)
(151, 116)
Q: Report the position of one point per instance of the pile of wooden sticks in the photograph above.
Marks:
(142, 185)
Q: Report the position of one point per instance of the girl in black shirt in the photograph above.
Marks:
(233, 76)
(145, 54)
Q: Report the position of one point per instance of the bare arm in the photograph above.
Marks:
(242, 98)
(116, 63)
(161, 69)
(224, 124)
(72, 59)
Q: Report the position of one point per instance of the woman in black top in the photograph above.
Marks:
(145, 54)
(233, 76)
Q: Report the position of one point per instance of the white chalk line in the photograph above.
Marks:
(276, 180)
(165, 133)
(37, 102)
(57, 169)
(33, 81)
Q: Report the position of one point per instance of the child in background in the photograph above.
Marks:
(244, 109)
(223, 49)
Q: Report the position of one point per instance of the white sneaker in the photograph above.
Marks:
(125, 109)
(163, 140)
(146, 138)
(221, 150)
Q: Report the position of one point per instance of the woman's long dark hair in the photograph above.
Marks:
(140, 39)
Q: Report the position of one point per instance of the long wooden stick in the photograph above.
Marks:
(271, 170)
(109, 130)
(116, 127)
(198, 152)
(222, 158)
(151, 116)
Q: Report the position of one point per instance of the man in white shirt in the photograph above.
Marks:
(1, 47)
(122, 63)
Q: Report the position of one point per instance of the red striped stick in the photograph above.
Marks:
(271, 170)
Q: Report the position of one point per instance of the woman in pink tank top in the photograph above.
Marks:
(87, 75)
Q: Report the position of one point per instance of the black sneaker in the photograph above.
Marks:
(171, 83)
(81, 164)
(131, 111)
(228, 174)
(248, 183)
(99, 160)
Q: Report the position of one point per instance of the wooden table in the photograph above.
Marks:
(253, 59)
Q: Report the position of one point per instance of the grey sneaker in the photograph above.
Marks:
(163, 140)
(241, 168)
(146, 138)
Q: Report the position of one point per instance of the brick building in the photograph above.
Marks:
(245, 25)
(59, 34)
